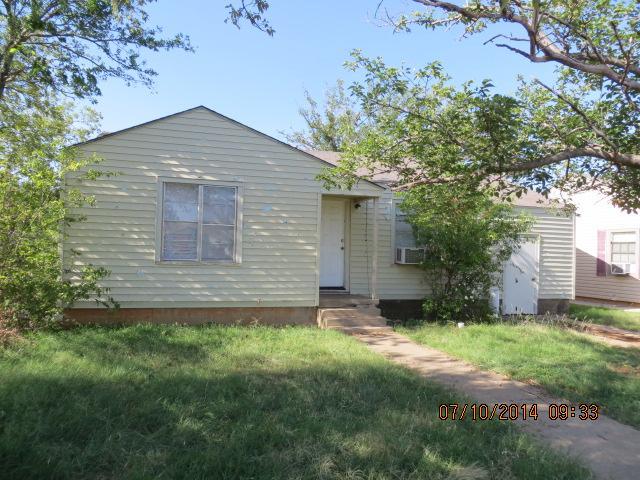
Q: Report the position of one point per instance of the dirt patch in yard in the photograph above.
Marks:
(8, 336)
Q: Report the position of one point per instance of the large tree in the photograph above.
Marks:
(578, 132)
(50, 50)
(587, 121)
(421, 126)
(34, 204)
(67, 47)
(330, 126)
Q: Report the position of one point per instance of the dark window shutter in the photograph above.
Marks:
(601, 263)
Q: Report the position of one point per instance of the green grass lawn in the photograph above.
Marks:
(565, 363)
(606, 316)
(227, 402)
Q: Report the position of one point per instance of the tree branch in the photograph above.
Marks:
(464, 11)
(626, 159)
(528, 55)
(539, 41)
(592, 126)
(429, 181)
(496, 174)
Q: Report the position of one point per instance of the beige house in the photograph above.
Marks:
(210, 220)
(607, 250)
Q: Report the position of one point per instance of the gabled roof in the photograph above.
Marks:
(528, 199)
(334, 159)
(213, 112)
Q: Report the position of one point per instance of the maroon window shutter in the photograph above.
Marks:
(601, 263)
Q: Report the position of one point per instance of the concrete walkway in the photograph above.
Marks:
(610, 449)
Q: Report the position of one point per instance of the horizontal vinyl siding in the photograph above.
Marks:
(408, 282)
(280, 208)
(556, 233)
(611, 287)
(280, 222)
(394, 281)
(595, 213)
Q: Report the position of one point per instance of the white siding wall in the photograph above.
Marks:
(394, 281)
(280, 209)
(556, 253)
(407, 281)
(280, 234)
(595, 213)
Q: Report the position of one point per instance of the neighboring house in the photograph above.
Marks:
(210, 220)
(606, 250)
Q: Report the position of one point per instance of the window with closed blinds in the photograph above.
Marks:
(199, 222)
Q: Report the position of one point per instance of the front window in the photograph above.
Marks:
(623, 247)
(199, 222)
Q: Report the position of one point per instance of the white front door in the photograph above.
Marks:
(332, 243)
(520, 280)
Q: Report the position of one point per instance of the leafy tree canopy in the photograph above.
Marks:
(34, 204)
(579, 132)
(332, 126)
(468, 237)
(587, 121)
(52, 49)
(421, 126)
(69, 46)
(252, 11)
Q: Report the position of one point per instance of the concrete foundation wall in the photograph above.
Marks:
(401, 309)
(391, 309)
(412, 309)
(196, 316)
(553, 305)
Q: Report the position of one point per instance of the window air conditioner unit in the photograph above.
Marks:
(620, 269)
(409, 255)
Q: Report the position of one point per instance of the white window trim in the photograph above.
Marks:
(237, 258)
(607, 249)
(395, 202)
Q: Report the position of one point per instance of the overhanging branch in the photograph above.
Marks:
(626, 159)
(592, 62)
(497, 174)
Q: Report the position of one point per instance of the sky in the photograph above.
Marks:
(260, 80)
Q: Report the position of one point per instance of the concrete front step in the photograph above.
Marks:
(347, 315)
(368, 309)
(371, 330)
(345, 300)
(350, 318)
(356, 322)
(350, 312)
